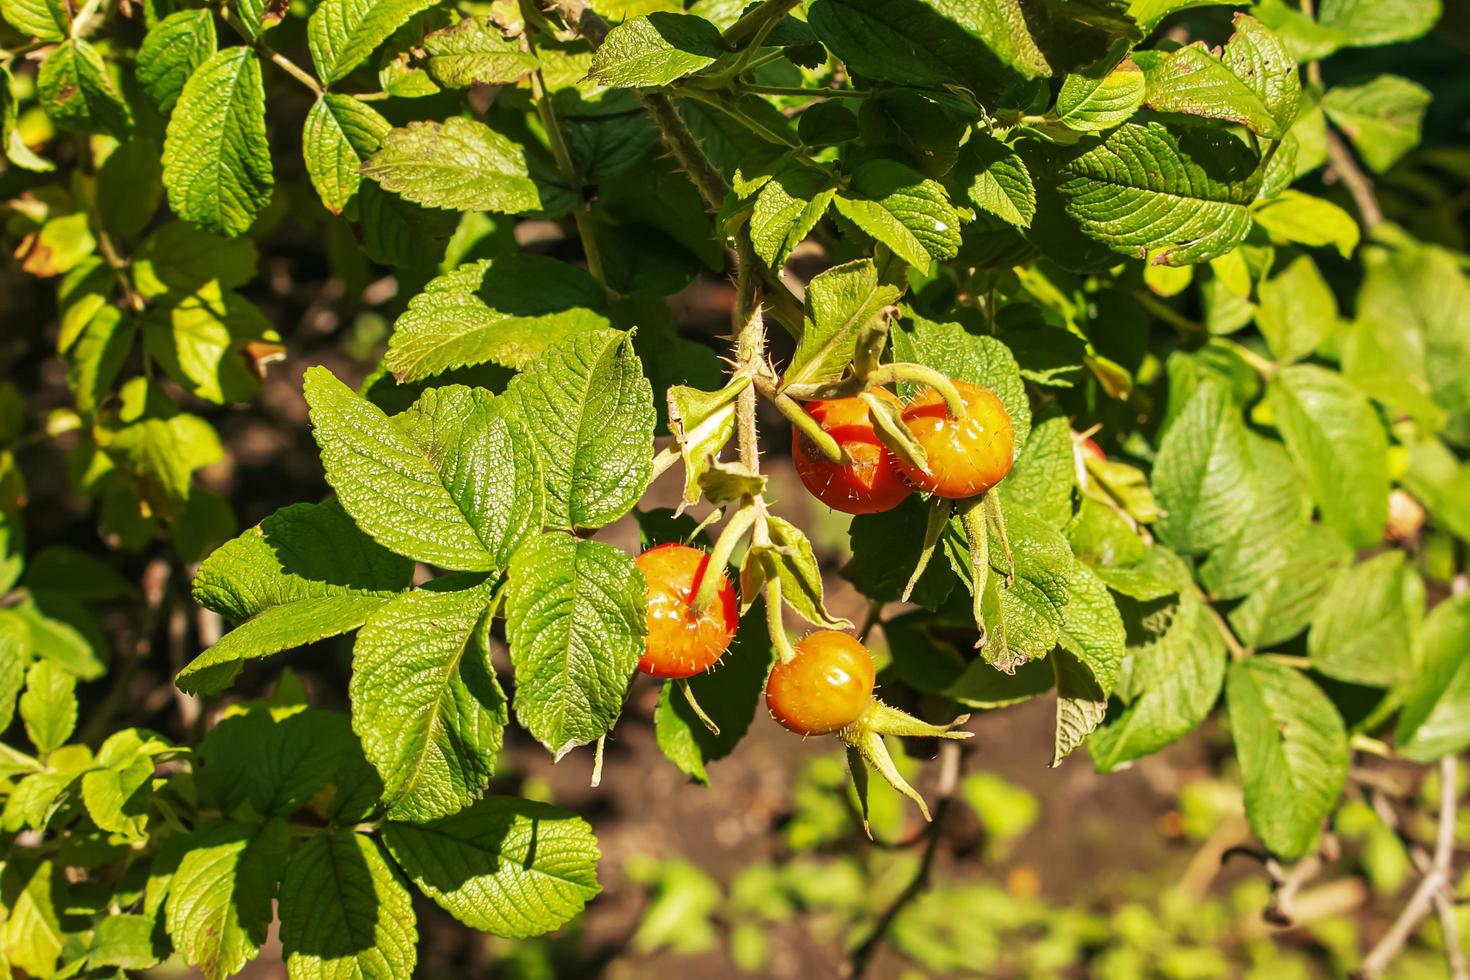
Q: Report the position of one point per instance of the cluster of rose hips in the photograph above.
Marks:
(827, 687)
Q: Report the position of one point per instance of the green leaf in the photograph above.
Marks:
(1297, 311)
(299, 576)
(1335, 437)
(1293, 753)
(652, 51)
(203, 343)
(787, 208)
(904, 210)
(49, 706)
(1092, 641)
(259, 16)
(885, 551)
(1294, 581)
(702, 422)
(130, 188)
(1045, 473)
(474, 52)
(425, 701)
(1438, 478)
(1170, 686)
(41, 19)
(340, 134)
(507, 310)
(15, 655)
(345, 912)
(575, 622)
(400, 233)
(798, 571)
(843, 303)
(12, 146)
(219, 902)
(342, 33)
(216, 160)
(1093, 101)
(118, 792)
(459, 165)
(182, 259)
(1373, 22)
(410, 489)
(1180, 195)
(1002, 184)
(173, 50)
(1292, 216)
(505, 866)
(962, 350)
(96, 358)
(1367, 627)
(590, 412)
(1382, 117)
(728, 696)
(273, 761)
(1203, 475)
(1412, 337)
(1253, 81)
(78, 94)
(126, 941)
(63, 632)
(161, 455)
(979, 45)
(1435, 718)
(32, 935)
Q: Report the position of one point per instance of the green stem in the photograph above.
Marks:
(775, 622)
(284, 63)
(699, 712)
(798, 417)
(758, 20)
(1167, 313)
(734, 112)
(1238, 650)
(933, 529)
(972, 518)
(797, 92)
(1264, 367)
(919, 374)
(546, 111)
(719, 557)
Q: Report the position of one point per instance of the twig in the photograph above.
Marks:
(949, 776)
(284, 63)
(1435, 880)
(1211, 856)
(1344, 166)
(556, 139)
(1454, 951)
(1238, 650)
(1281, 910)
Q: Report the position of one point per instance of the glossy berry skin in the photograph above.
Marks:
(680, 643)
(967, 455)
(825, 687)
(871, 482)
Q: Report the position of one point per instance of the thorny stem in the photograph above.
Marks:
(750, 349)
(1435, 880)
(546, 110)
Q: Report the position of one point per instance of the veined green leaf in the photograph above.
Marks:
(787, 208)
(651, 51)
(1335, 437)
(342, 33)
(1002, 184)
(842, 304)
(425, 701)
(1374, 22)
(1293, 753)
(301, 575)
(904, 210)
(506, 310)
(590, 412)
(426, 490)
(1203, 475)
(1179, 195)
(340, 134)
(962, 351)
(474, 52)
(219, 902)
(1292, 216)
(271, 762)
(1090, 102)
(345, 913)
(1252, 82)
(216, 160)
(1297, 311)
(49, 706)
(78, 94)
(1366, 630)
(575, 622)
(44, 20)
(1382, 117)
(174, 48)
(459, 164)
(1435, 719)
(506, 866)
